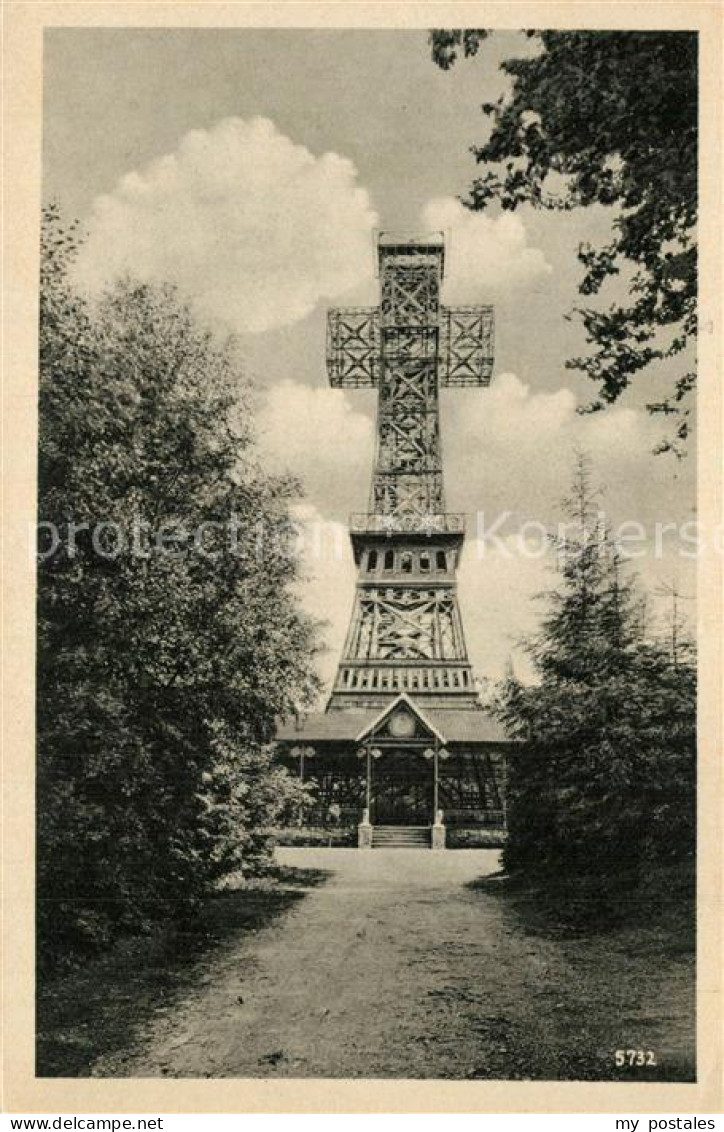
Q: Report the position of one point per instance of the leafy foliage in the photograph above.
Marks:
(604, 779)
(607, 118)
(165, 649)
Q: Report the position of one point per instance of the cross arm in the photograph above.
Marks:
(353, 346)
(466, 345)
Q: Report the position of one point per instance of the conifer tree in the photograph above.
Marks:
(604, 778)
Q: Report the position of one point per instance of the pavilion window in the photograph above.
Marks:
(441, 560)
(424, 563)
(406, 564)
(372, 560)
(389, 560)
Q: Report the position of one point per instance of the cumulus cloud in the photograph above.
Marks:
(254, 228)
(327, 589)
(507, 448)
(509, 462)
(503, 583)
(257, 231)
(514, 448)
(486, 256)
(497, 589)
(318, 435)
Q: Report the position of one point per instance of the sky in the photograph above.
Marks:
(252, 168)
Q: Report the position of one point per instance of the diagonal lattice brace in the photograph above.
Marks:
(353, 346)
(406, 624)
(410, 294)
(466, 345)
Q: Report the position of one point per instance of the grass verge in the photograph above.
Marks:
(622, 977)
(100, 1005)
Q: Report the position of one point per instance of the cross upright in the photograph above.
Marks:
(408, 347)
(406, 633)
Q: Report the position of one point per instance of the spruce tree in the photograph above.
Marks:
(603, 781)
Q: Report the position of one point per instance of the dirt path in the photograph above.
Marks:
(396, 967)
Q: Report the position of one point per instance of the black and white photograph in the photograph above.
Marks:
(367, 548)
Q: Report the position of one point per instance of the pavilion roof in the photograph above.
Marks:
(454, 725)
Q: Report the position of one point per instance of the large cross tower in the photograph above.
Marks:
(406, 634)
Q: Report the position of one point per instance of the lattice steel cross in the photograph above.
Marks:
(408, 348)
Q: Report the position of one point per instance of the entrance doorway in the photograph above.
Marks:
(402, 788)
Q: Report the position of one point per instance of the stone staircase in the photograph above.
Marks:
(401, 837)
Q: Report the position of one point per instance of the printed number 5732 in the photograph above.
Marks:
(635, 1057)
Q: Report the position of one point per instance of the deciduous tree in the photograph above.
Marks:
(607, 118)
(169, 633)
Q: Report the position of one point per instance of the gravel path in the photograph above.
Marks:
(396, 967)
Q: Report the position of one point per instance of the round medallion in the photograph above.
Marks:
(402, 725)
